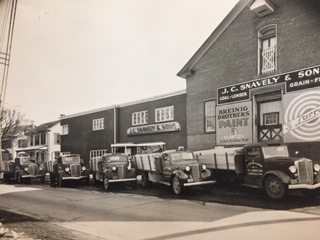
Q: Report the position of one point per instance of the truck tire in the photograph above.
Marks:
(274, 188)
(106, 184)
(144, 180)
(177, 185)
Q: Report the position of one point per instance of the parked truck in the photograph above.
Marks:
(113, 168)
(21, 169)
(67, 167)
(175, 168)
(265, 166)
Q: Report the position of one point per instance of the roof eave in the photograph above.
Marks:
(187, 70)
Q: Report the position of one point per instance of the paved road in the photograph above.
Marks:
(157, 214)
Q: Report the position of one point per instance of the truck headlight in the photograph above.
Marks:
(316, 167)
(67, 169)
(114, 168)
(129, 167)
(293, 169)
(187, 168)
(204, 167)
(26, 169)
(40, 168)
(83, 168)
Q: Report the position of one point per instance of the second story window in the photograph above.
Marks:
(210, 115)
(65, 129)
(98, 124)
(268, 49)
(36, 140)
(22, 143)
(42, 139)
(56, 139)
(139, 118)
(31, 140)
(165, 114)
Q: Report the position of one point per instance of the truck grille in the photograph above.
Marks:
(305, 172)
(75, 170)
(122, 169)
(195, 173)
(33, 169)
(49, 166)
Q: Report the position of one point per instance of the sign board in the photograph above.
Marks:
(298, 80)
(302, 116)
(154, 128)
(234, 123)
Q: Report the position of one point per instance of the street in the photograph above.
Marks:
(88, 212)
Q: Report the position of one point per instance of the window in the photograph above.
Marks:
(267, 49)
(31, 140)
(42, 139)
(65, 129)
(98, 124)
(56, 138)
(165, 114)
(271, 119)
(36, 140)
(97, 153)
(139, 118)
(22, 143)
(210, 116)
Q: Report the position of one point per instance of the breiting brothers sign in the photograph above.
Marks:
(298, 80)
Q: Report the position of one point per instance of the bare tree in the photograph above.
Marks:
(13, 124)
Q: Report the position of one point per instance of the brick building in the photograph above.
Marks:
(157, 119)
(257, 78)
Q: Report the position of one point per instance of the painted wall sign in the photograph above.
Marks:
(298, 80)
(234, 124)
(302, 116)
(154, 128)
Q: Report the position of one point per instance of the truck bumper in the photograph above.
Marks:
(199, 183)
(75, 178)
(122, 180)
(33, 176)
(304, 186)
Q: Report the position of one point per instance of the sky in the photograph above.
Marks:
(72, 56)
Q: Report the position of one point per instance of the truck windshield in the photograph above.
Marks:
(275, 151)
(181, 156)
(71, 159)
(25, 161)
(117, 159)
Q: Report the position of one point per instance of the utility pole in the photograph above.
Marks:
(8, 9)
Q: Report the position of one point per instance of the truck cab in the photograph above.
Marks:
(175, 168)
(270, 168)
(68, 167)
(113, 168)
(22, 170)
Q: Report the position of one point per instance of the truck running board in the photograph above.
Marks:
(251, 186)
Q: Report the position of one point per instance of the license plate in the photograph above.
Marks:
(115, 177)
(189, 180)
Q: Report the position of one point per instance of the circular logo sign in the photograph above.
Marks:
(302, 117)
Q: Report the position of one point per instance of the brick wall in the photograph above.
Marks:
(233, 58)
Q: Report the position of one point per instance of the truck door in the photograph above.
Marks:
(253, 165)
(166, 167)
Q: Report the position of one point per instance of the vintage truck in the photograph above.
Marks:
(67, 167)
(113, 168)
(265, 166)
(176, 168)
(21, 169)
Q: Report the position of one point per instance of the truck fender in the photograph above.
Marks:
(180, 174)
(281, 175)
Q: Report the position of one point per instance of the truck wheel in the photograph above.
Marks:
(19, 178)
(274, 188)
(106, 184)
(144, 180)
(177, 186)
